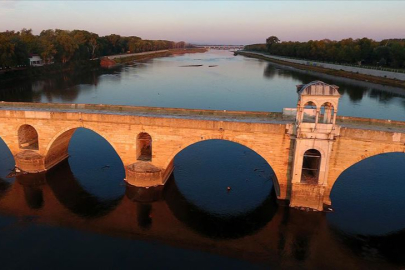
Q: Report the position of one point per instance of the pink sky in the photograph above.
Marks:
(225, 22)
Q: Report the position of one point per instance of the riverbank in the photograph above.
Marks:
(9, 76)
(339, 73)
(122, 59)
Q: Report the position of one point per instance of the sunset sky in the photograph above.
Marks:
(212, 22)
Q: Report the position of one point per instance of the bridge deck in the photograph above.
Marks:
(179, 113)
(211, 115)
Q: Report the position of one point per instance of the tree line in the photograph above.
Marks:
(61, 46)
(388, 52)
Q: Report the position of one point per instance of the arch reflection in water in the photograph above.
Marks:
(96, 165)
(368, 197)
(69, 191)
(204, 171)
(90, 183)
(198, 190)
(214, 226)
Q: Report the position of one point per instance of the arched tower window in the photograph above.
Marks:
(27, 137)
(144, 147)
(327, 112)
(310, 167)
(309, 113)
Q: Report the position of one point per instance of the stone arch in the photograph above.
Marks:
(299, 162)
(333, 178)
(230, 139)
(311, 103)
(57, 148)
(309, 110)
(327, 112)
(144, 147)
(311, 165)
(28, 137)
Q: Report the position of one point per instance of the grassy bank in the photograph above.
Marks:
(339, 73)
(145, 57)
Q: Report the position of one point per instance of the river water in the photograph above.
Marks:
(81, 214)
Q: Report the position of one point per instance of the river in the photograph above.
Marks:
(81, 214)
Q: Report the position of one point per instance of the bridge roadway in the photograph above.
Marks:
(38, 136)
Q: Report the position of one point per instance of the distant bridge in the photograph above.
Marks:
(307, 150)
(221, 47)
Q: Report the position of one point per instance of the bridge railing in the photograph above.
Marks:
(139, 110)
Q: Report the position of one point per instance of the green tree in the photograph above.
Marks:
(65, 45)
(270, 41)
(47, 39)
(7, 48)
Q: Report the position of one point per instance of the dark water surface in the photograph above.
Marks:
(81, 214)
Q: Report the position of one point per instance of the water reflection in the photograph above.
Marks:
(96, 165)
(62, 87)
(144, 195)
(214, 226)
(368, 197)
(144, 198)
(32, 186)
(144, 215)
(4, 187)
(269, 234)
(222, 177)
(73, 196)
(376, 249)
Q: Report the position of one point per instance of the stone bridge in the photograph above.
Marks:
(221, 47)
(307, 149)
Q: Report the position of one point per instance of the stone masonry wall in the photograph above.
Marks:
(169, 135)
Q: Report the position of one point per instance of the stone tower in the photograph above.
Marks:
(313, 136)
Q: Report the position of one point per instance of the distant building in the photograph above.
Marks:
(36, 61)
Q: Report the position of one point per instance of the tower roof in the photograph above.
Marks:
(318, 88)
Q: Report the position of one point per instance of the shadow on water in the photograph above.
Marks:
(4, 187)
(368, 196)
(221, 189)
(144, 198)
(388, 247)
(370, 208)
(73, 196)
(32, 185)
(214, 226)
